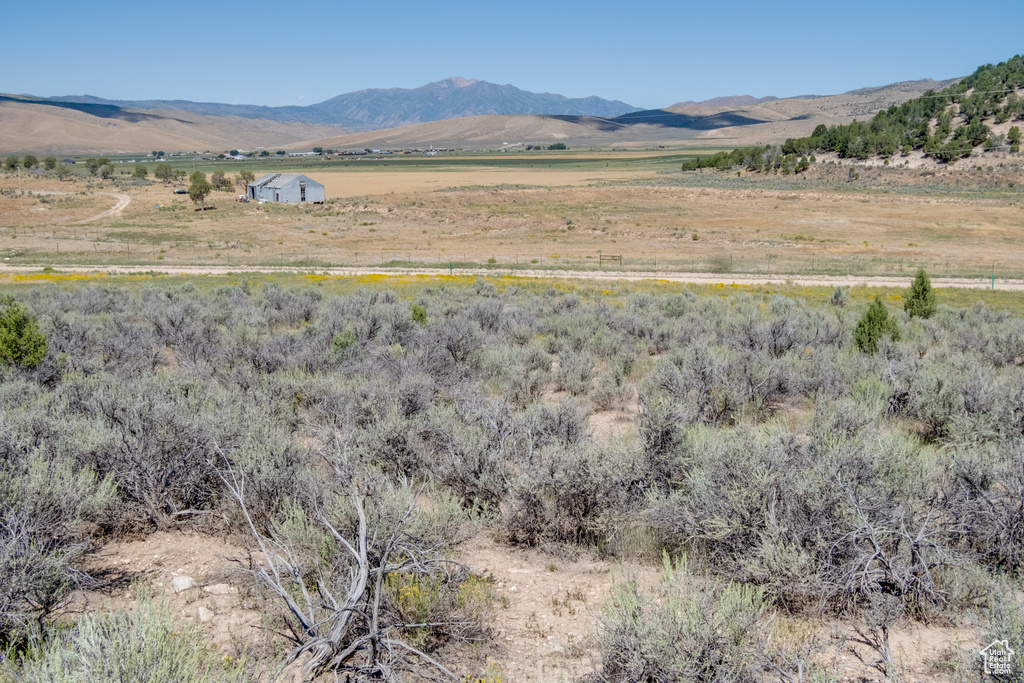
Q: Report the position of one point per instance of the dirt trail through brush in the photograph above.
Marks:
(631, 276)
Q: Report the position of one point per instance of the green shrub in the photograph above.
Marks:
(1006, 622)
(21, 342)
(679, 632)
(143, 646)
(343, 342)
(920, 300)
(47, 507)
(574, 373)
(449, 601)
(610, 392)
(840, 296)
(571, 495)
(873, 325)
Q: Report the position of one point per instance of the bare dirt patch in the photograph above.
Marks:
(546, 626)
(156, 561)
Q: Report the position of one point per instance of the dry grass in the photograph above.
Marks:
(559, 216)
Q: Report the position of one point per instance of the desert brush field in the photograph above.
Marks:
(427, 430)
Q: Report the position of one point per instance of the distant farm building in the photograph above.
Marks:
(286, 188)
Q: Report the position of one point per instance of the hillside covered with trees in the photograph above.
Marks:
(946, 125)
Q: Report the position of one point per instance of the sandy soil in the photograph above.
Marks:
(160, 557)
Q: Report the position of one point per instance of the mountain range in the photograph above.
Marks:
(376, 108)
(725, 121)
(454, 112)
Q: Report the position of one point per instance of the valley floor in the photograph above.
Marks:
(957, 222)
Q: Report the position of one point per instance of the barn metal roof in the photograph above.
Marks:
(278, 180)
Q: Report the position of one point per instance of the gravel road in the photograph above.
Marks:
(695, 278)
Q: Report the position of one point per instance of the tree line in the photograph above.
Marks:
(946, 125)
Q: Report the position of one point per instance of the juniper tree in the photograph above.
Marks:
(921, 298)
(21, 342)
(875, 323)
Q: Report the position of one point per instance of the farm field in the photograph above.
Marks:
(491, 211)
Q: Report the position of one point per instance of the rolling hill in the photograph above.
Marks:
(768, 120)
(946, 124)
(36, 126)
(58, 126)
(376, 109)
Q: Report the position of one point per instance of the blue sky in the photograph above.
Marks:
(649, 54)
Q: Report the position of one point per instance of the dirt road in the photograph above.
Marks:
(632, 276)
(123, 201)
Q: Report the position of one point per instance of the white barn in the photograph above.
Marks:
(286, 188)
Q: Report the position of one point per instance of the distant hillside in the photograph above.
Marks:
(769, 120)
(388, 108)
(497, 131)
(248, 111)
(55, 125)
(29, 125)
(978, 112)
(733, 101)
(945, 125)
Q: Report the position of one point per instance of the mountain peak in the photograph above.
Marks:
(456, 82)
(374, 109)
